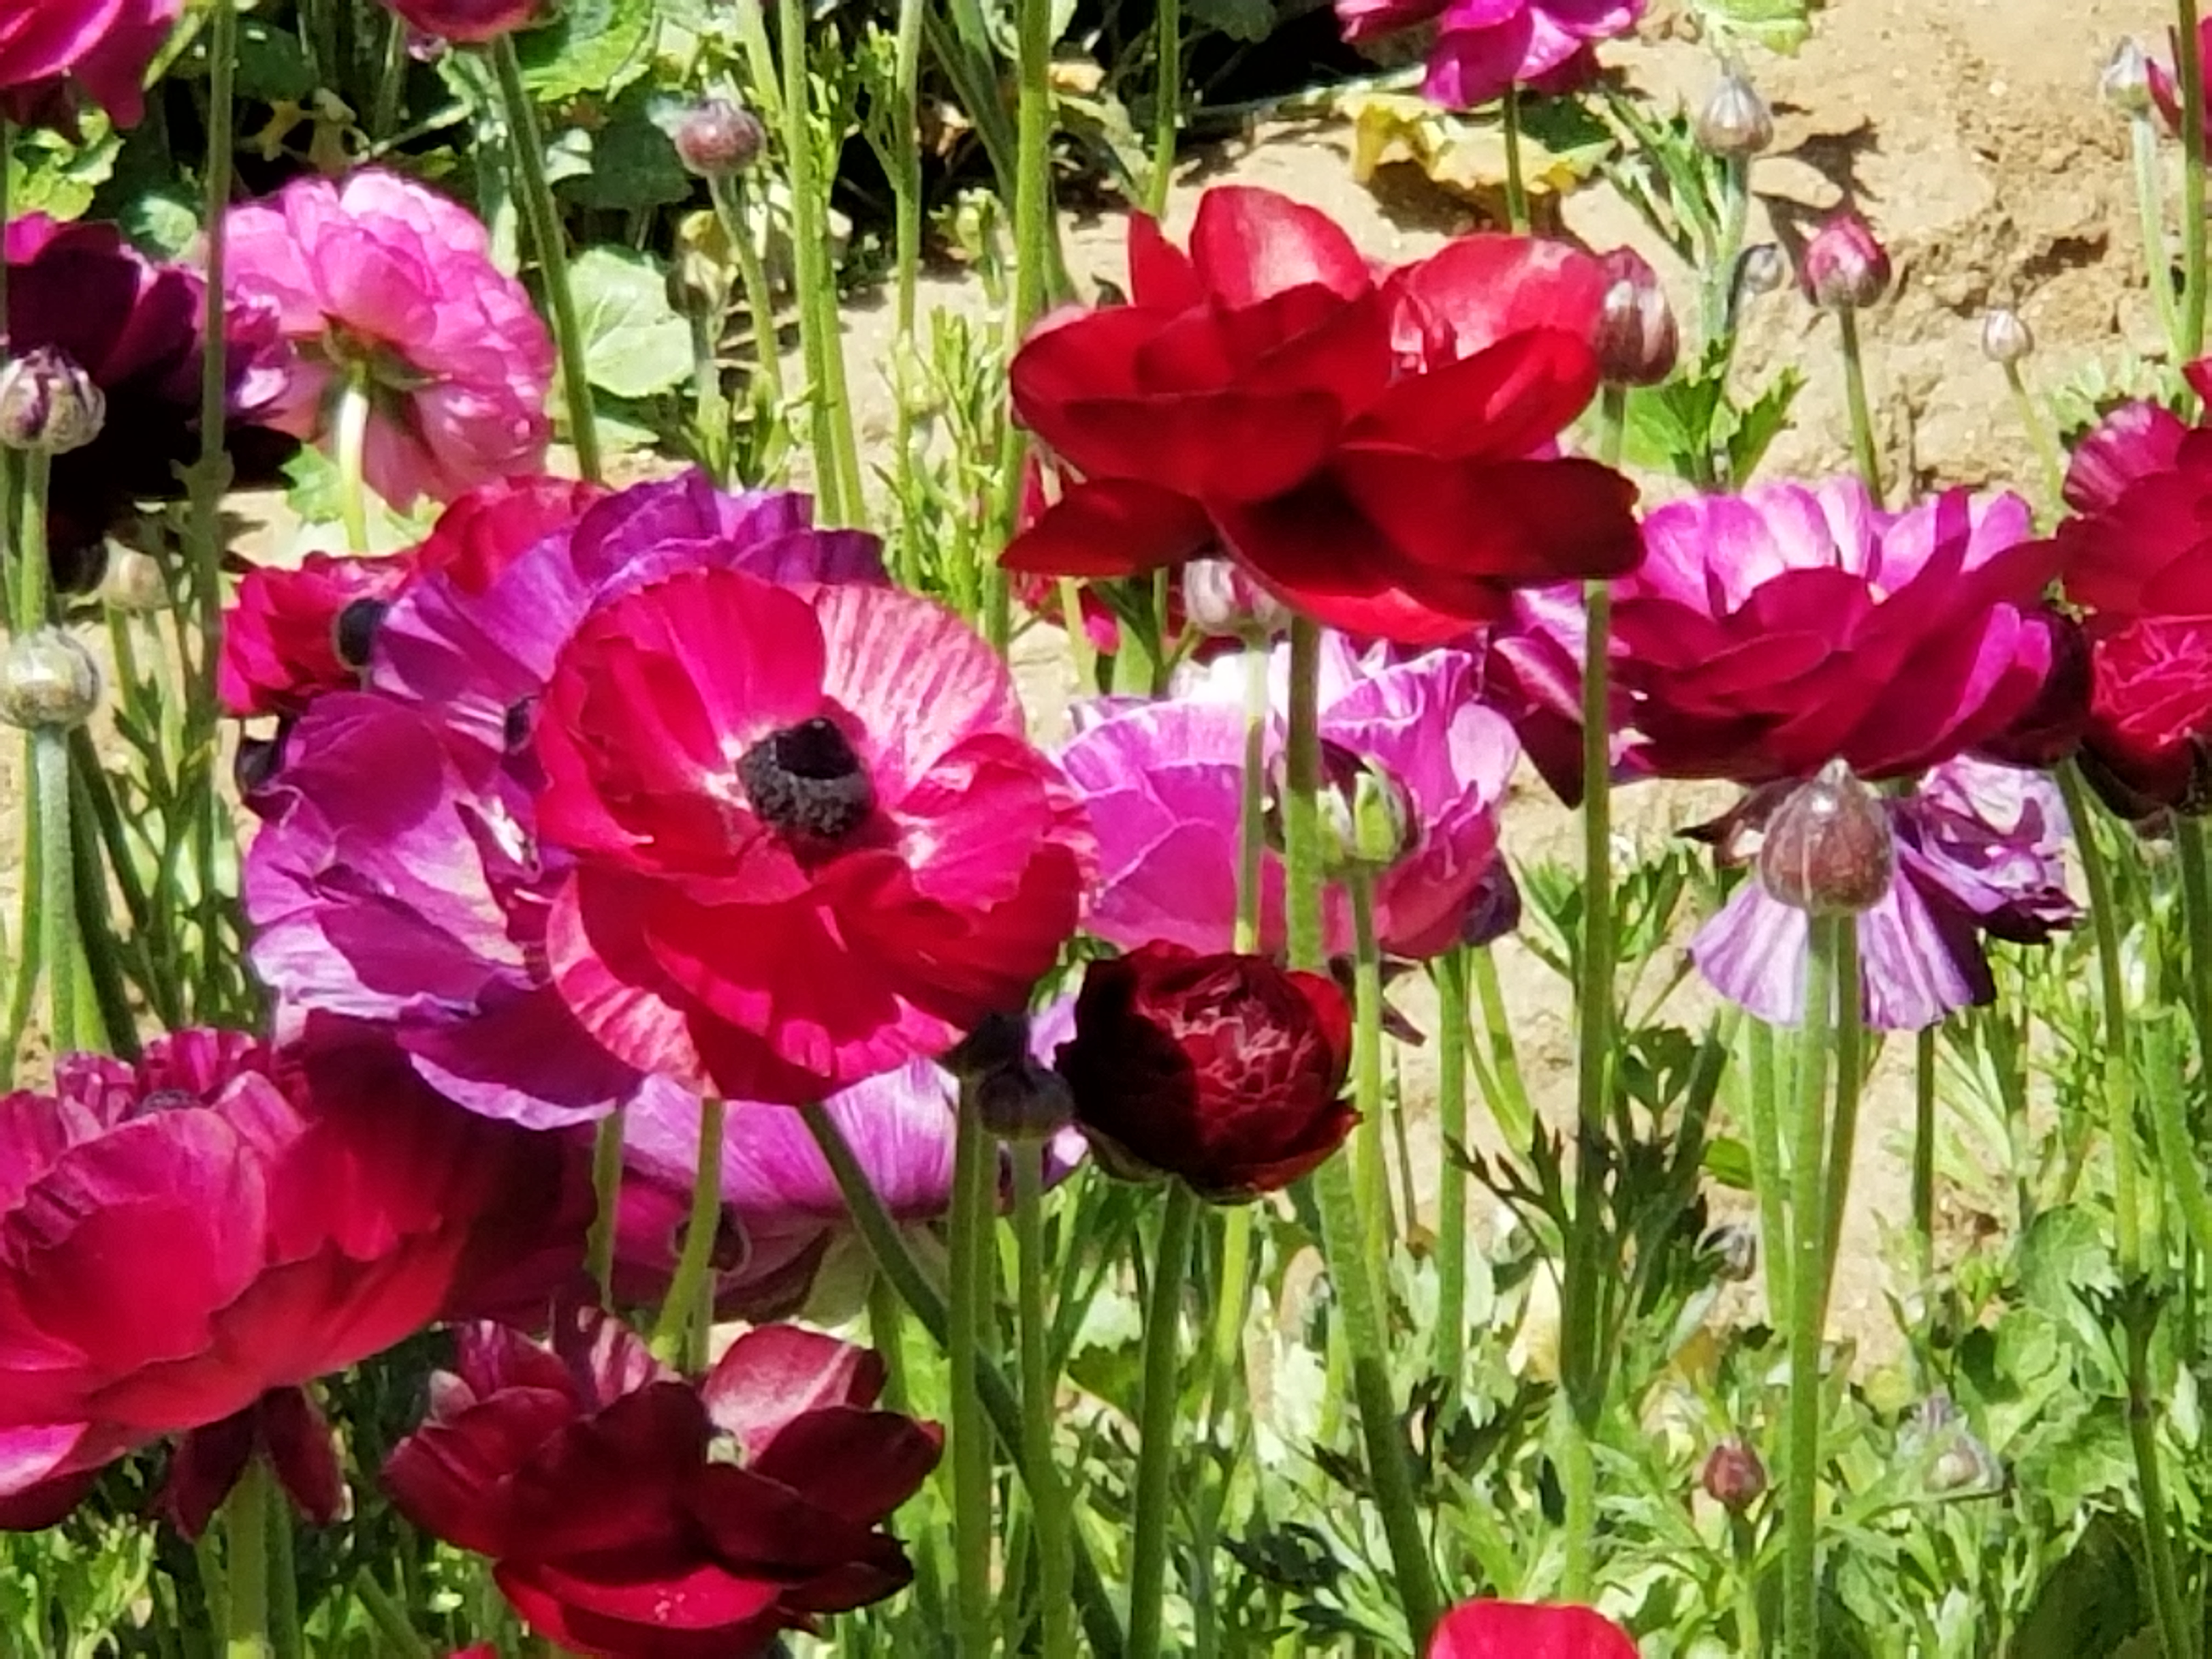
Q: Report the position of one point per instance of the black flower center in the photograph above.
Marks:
(807, 783)
(353, 635)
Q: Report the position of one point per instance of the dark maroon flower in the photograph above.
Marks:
(630, 1513)
(294, 634)
(1734, 1477)
(285, 1427)
(54, 51)
(1225, 1071)
(1638, 339)
(468, 21)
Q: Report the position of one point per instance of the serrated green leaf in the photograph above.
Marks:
(635, 345)
(1756, 426)
(595, 46)
(48, 175)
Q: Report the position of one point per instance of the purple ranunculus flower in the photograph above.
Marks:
(1164, 782)
(1980, 851)
(398, 877)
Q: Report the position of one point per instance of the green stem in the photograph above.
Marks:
(352, 425)
(1855, 396)
(1343, 1227)
(535, 195)
(211, 479)
(34, 581)
(1047, 1497)
(679, 1334)
(246, 1563)
(1850, 1042)
(887, 1247)
(1924, 1145)
(1167, 107)
(2175, 1638)
(1768, 1178)
(1453, 1027)
(1517, 186)
(752, 277)
(1800, 1493)
(389, 1618)
(2189, 69)
(1369, 1163)
(1158, 1441)
(606, 1187)
(2050, 460)
(57, 892)
(2118, 1077)
(286, 1638)
(1719, 294)
(1252, 801)
(2184, 1172)
(2150, 218)
(972, 1204)
(1509, 1104)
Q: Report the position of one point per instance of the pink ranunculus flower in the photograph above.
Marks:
(1483, 47)
(53, 51)
(384, 277)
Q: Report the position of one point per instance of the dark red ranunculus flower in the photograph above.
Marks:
(2148, 745)
(134, 327)
(179, 1238)
(293, 633)
(1528, 1630)
(488, 529)
(1225, 1071)
(466, 20)
(53, 51)
(632, 1514)
(1375, 451)
(2140, 485)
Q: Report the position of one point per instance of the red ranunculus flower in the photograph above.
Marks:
(51, 50)
(180, 1237)
(2148, 745)
(293, 634)
(1371, 449)
(466, 20)
(1225, 1071)
(1528, 1630)
(811, 838)
(632, 1515)
(1769, 633)
(2140, 485)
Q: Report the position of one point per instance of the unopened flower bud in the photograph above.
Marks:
(48, 402)
(1637, 339)
(1734, 1250)
(1735, 122)
(1734, 1477)
(2126, 83)
(1024, 1102)
(1224, 603)
(716, 138)
(1366, 823)
(1763, 268)
(1828, 850)
(135, 582)
(1845, 264)
(2005, 338)
(48, 681)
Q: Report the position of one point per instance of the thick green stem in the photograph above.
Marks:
(888, 1248)
(679, 1334)
(2176, 1640)
(1453, 1031)
(535, 195)
(1718, 297)
(2189, 69)
(210, 479)
(1158, 1443)
(1802, 1473)
(1924, 1145)
(399, 1637)
(1167, 106)
(34, 576)
(606, 1188)
(1864, 452)
(246, 1563)
(1369, 1162)
(56, 891)
(1768, 1178)
(2185, 1171)
(1508, 1100)
(1047, 1496)
(1343, 1228)
(1517, 184)
(1850, 1042)
(352, 425)
(973, 1202)
(1252, 810)
(2118, 1072)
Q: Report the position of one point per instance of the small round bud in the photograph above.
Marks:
(1366, 821)
(1224, 603)
(1828, 850)
(717, 138)
(48, 402)
(2005, 338)
(1734, 1477)
(1762, 268)
(48, 681)
(1638, 339)
(1845, 264)
(2125, 83)
(1735, 122)
(135, 582)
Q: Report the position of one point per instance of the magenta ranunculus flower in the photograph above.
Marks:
(811, 840)
(180, 1237)
(1980, 850)
(1163, 781)
(2141, 486)
(1482, 47)
(53, 51)
(384, 279)
(1768, 633)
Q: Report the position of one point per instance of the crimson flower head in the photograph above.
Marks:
(2148, 745)
(2139, 484)
(1528, 1630)
(52, 53)
(180, 1237)
(293, 634)
(811, 838)
(1845, 264)
(466, 20)
(1376, 451)
(1769, 633)
(1225, 1071)
(629, 1512)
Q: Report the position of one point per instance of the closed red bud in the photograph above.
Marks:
(1638, 339)
(1828, 850)
(717, 138)
(1734, 1477)
(1845, 265)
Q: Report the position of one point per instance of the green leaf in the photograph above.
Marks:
(271, 65)
(596, 46)
(1239, 19)
(635, 345)
(1778, 24)
(1758, 423)
(48, 175)
(632, 163)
